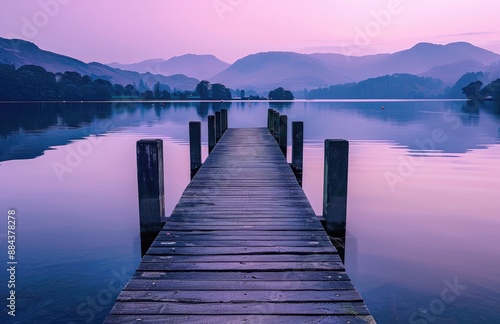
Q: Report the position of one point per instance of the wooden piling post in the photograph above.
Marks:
(283, 134)
(218, 133)
(297, 149)
(211, 133)
(151, 189)
(276, 126)
(195, 146)
(223, 121)
(270, 120)
(335, 191)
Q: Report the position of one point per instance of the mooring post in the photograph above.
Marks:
(270, 120)
(218, 133)
(151, 189)
(195, 146)
(276, 126)
(283, 133)
(297, 149)
(335, 191)
(211, 133)
(223, 121)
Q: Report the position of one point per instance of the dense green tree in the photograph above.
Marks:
(491, 90)
(69, 77)
(220, 92)
(131, 91)
(203, 90)
(165, 95)
(472, 91)
(43, 82)
(103, 89)
(280, 94)
(7, 73)
(148, 94)
(118, 90)
(156, 90)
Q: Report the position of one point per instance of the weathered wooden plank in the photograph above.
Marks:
(239, 250)
(286, 223)
(240, 265)
(238, 235)
(245, 258)
(147, 284)
(239, 296)
(234, 243)
(319, 308)
(187, 226)
(238, 319)
(290, 276)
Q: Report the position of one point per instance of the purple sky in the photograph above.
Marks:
(129, 31)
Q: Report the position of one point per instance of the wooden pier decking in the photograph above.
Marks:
(243, 245)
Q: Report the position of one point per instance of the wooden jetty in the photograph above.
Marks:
(243, 245)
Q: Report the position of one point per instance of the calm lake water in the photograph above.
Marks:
(423, 201)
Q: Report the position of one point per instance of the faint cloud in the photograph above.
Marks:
(464, 34)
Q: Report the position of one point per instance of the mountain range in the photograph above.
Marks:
(196, 66)
(265, 71)
(19, 52)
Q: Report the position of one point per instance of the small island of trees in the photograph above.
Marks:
(475, 91)
(206, 91)
(280, 94)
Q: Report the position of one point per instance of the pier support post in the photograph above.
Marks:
(270, 120)
(211, 133)
(283, 134)
(223, 121)
(195, 146)
(335, 191)
(276, 128)
(151, 189)
(218, 133)
(298, 149)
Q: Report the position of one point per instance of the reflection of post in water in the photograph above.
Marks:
(470, 113)
(351, 255)
(151, 190)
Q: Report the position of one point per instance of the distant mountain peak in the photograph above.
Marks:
(199, 66)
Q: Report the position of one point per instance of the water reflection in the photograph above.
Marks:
(27, 130)
(438, 221)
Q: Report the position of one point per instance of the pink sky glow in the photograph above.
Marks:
(128, 31)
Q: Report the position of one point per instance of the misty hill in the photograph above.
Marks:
(450, 73)
(200, 67)
(424, 57)
(265, 71)
(19, 53)
(396, 86)
(446, 62)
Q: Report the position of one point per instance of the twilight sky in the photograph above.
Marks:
(129, 31)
